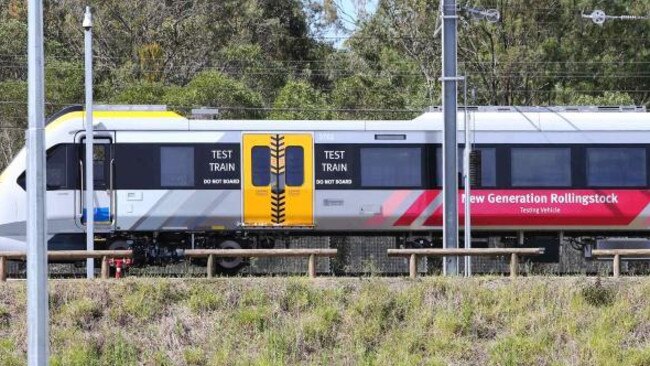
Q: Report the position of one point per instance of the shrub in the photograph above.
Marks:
(598, 295)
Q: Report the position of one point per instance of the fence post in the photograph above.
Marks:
(312, 266)
(210, 265)
(3, 269)
(617, 265)
(413, 266)
(104, 270)
(514, 265)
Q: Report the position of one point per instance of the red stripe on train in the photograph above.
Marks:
(388, 208)
(416, 209)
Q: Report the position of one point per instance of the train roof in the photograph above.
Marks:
(529, 119)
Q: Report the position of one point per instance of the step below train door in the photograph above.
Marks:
(278, 189)
(103, 166)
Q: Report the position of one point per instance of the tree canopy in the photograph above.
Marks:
(283, 60)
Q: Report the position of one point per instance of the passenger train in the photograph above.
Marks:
(164, 182)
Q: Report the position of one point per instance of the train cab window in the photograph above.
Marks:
(176, 166)
(616, 167)
(57, 165)
(541, 167)
(61, 169)
(391, 167)
(295, 166)
(261, 165)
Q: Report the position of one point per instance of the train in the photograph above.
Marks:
(164, 182)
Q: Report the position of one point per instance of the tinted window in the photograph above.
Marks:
(100, 165)
(261, 156)
(488, 166)
(137, 166)
(616, 167)
(295, 163)
(439, 166)
(57, 168)
(541, 167)
(391, 167)
(62, 169)
(176, 166)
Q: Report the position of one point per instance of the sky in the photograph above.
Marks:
(348, 14)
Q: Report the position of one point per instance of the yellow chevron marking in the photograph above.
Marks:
(294, 205)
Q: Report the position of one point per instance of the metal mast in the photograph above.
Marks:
(90, 182)
(467, 183)
(450, 145)
(37, 305)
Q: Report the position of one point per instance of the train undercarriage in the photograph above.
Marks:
(161, 249)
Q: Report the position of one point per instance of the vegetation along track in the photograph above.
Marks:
(382, 321)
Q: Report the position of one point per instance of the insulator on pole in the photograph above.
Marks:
(599, 17)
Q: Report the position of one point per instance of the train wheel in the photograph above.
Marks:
(230, 266)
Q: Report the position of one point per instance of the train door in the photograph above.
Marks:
(103, 166)
(278, 187)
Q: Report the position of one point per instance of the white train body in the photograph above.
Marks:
(162, 173)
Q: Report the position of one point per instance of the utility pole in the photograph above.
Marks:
(450, 144)
(90, 182)
(37, 305)
(467, 153)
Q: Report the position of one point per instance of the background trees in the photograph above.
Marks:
(282, 59)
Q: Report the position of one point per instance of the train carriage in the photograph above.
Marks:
(164, 182)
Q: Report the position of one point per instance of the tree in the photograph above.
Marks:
(406, 27)
(214, 89)
(142, 92)
(299, 100)
(538, 45)
(13, 119)
(64, 83)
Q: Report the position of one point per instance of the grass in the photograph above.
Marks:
(364, 321)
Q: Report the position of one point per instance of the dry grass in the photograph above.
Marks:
(369, 321)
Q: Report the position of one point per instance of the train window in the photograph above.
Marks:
(391, 167)
(261, 157)
(61, 171)
(137, 166)
(57, 168)
(176, 166)
(488, 166)
(541, 167)
(295, 166)
(439, 166)
(616, 167)
(99, 165)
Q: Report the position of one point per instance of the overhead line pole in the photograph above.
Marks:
(37, 305)
(450, 143)
(467, 183)
(90, 181)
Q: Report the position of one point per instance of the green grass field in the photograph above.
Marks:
(346, 321)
